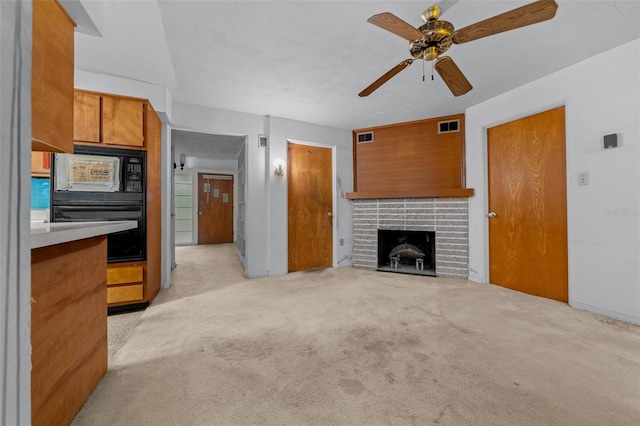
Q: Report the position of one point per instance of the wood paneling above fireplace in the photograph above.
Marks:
(411, 159)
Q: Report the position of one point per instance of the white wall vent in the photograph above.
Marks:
(263, 141)
(448, 126)
(365, 137)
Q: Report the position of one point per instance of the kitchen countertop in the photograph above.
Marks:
(48, 234)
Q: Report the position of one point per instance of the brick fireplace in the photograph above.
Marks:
(447, 217)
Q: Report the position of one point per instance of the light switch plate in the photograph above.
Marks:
(583, 179)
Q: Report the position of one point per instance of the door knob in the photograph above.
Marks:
(491, 215)
(329, 214)
(199, 212)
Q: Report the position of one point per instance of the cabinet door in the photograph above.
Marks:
(122, 121)
(51, 78)
(40, 164)
(86, 117)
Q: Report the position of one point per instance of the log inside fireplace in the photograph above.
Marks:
(407, 252)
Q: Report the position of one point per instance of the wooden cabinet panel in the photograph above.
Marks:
(68, 327)
(86, 117)
(122, 121)
(125, 293)
(52, 78)
(409, 159)
(153, 131)
(40, 164)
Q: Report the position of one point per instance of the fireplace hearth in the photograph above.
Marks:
(407, 252)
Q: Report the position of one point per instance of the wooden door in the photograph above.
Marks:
(310, 207)
(215, 208)
(528, 194)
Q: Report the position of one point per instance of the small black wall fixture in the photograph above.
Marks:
(610, 141)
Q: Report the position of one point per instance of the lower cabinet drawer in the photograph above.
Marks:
(125, 293)
(123, 275)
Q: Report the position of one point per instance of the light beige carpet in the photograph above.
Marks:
(119, 328)
(347, 346)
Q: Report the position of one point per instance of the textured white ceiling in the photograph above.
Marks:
(308, 60)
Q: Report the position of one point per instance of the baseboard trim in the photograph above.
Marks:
(127, 308)
(606, 312)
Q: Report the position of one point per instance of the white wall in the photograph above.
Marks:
(280, 131)
(15, 193)
(601, 96)
(166, 178)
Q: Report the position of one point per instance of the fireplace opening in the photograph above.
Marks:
(407, 252)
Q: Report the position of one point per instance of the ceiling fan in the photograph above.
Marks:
(435, 37)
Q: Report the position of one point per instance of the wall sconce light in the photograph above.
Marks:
(183, 158)
(278, 164)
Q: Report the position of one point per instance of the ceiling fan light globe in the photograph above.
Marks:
(430, 53)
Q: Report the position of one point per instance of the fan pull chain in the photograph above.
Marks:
(423, 70)
(432, 67)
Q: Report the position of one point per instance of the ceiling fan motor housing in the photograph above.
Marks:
(432, 13)
(436, 40)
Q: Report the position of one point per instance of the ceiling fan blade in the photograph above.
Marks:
(386, 77)
(452, 76)
(529, 14)
(390, 22)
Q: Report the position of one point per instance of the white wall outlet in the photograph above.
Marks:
(583, 179)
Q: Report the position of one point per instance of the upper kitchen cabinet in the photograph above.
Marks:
(122, 121)
(52, 78)
(108, 119)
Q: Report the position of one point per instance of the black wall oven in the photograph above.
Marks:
(98, 184)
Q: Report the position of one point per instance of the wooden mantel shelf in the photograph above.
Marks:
(431, 193)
